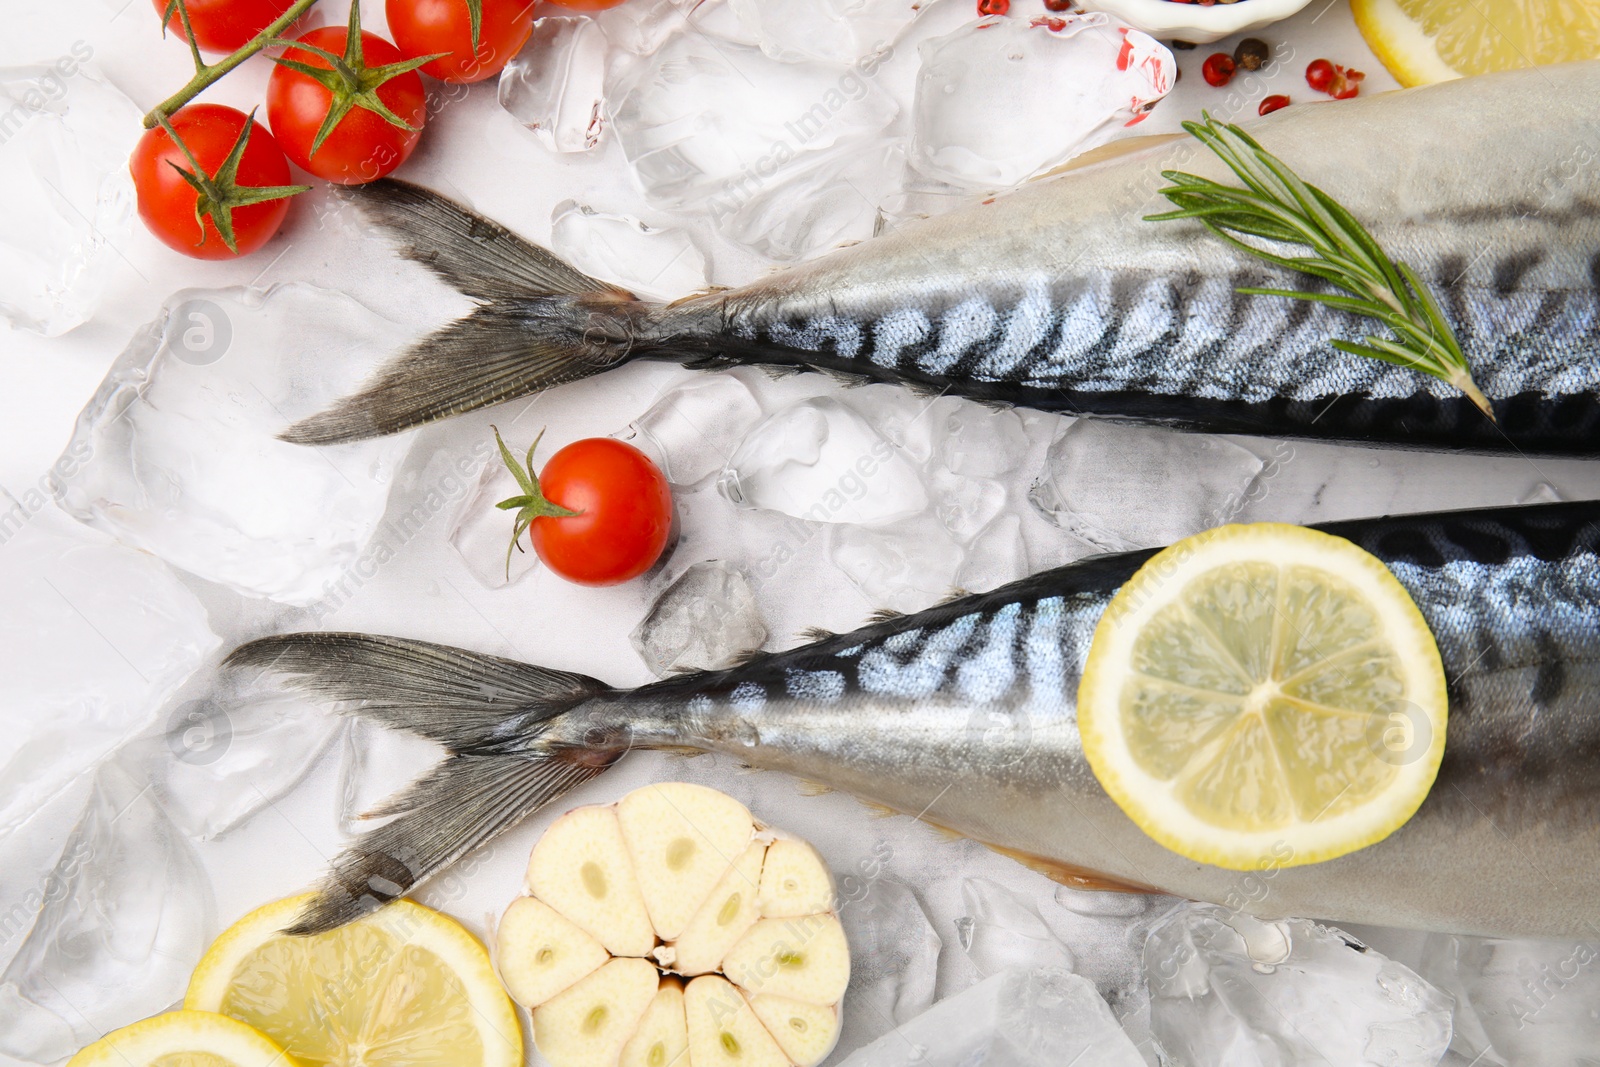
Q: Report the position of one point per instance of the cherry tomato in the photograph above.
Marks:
(586, 5)
(167, 201)
(625, 512)
(424, 27)
(364, 145)
(224, 25)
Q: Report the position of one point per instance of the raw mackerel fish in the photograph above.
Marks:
(1060, 296)
(964, 715)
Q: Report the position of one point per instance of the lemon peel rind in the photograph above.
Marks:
(185, 1031)
(1401, 44)
(408, 922)
(1147, 801)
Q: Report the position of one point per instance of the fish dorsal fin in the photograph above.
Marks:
(1070, 875)
(845, 379)
(885, 615)
(779, 371)
(746, 657)
(1125, 146)
(812, 634)
(956, 593)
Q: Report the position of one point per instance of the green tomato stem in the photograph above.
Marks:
(207, 73)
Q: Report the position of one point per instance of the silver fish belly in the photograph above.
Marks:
(964, 716)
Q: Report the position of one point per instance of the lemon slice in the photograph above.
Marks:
(183, 1039)
(402, 987)
(1425, 41)
(1264, 696)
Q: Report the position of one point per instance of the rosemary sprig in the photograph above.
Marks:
(1277, 205)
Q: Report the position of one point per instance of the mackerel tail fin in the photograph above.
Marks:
(488, 713)
(539, 322)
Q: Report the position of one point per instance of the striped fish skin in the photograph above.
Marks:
(964, 715)
(1060, 297)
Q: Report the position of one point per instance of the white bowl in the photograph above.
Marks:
(1167, 20)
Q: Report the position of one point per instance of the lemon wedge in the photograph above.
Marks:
(183, 1039)
(1264, 696)
(402, 987)
(1426, 41)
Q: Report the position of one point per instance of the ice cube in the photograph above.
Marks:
(819, 459)
(1230, 990)
(555, 86)
(894, 958)
(481, 533)
(702, 621)
(1103, 904)
(1042, 1018)
(1520, 1003)
(823, 201)
(1002, 100)
(1121, 487)
(64, 148)
(835, 30)
(716, 18)
(979, 442)
(912, 423)
(640, 26)
(128, 913)
(998, 555)
(965, 505)
(691, 431)
(708, 124)
(94, 638)
(1005, 932)
(179, 453)
(662, 264)
(905, 567)
(223, 757)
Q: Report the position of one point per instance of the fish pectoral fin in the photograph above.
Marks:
(1070, 875)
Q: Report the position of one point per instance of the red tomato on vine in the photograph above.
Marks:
(478, 37)
(346, 105)
(222, 25)
(211, 182)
